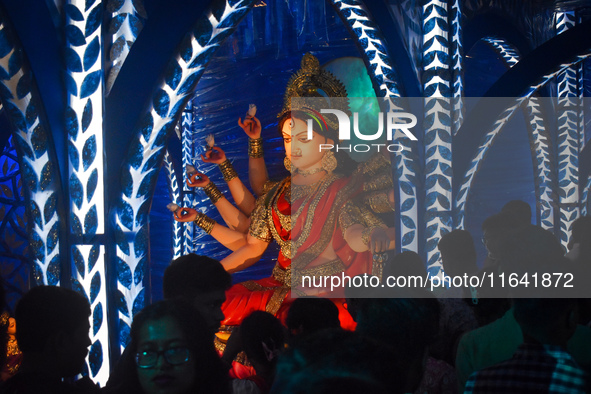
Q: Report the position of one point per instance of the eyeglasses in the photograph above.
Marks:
(173, 356)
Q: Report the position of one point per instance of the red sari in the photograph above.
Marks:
(315, 211)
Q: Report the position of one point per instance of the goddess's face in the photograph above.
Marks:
(162, 335)
(304, 154)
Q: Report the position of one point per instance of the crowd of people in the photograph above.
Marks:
(405, 341)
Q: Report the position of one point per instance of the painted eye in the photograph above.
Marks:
(291, 123)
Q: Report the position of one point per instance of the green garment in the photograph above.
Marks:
(496, 342)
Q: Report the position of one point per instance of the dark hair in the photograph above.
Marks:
(191, 275)
(263, 337)
(210, 374)
(519, 209)
(499, 222)
(407, 324)
(581, 230)
(538, 316)
(530, 248)
(458, 252)
(334, 355)
(46, 310)
(345, 165)
(581, 234)
(497, 227)
(405, 264)
(312, 314)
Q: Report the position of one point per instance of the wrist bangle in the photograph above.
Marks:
(213, 192)
(205, 222)
(228, 171)
(255, 147)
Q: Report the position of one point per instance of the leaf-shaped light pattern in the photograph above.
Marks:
(140, 176)
(545, 152)
(544, 168)
(437, 85)
(13, 220)
(175, 195)
(85, 105)
(127, 20)
(569, 94)
(353, 12)
(585, 198)
(369, 39)
(188, 154)
(32, 141)
(457, 56)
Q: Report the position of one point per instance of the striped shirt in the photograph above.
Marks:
(534, 368)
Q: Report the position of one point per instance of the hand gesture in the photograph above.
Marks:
(214, 155)
(378, 240)
(185, 215)
(251, 126)
(198, 179)
(233, 346)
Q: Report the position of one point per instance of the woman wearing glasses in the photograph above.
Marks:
(174, 353)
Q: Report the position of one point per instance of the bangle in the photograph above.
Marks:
(205, 222)
(228, 171)
(213, 192)
(255, 147)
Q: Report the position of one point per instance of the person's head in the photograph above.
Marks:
(357, 296)
(458, 253)
(550, 321)
(581, 232)
(310, 314)
(174, 353)
(53, 321)
(494, 231)
(528, 249)
(323, 361)
(263, 339)
(406, 325)
(405, 264)
(203, 281)
(519, 210)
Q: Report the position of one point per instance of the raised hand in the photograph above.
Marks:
(251, 126)
(214, 155)
(197, 179)
(182, 214)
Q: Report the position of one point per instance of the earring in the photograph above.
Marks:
(288, 166)
(329, 162)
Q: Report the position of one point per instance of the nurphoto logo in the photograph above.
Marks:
(402, 121)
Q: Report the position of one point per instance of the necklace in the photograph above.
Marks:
(300, 191)
(311, 172)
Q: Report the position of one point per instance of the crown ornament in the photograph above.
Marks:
(311, 81)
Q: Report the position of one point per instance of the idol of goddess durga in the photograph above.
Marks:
(324, 216)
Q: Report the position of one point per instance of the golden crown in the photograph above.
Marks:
(312, 82)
